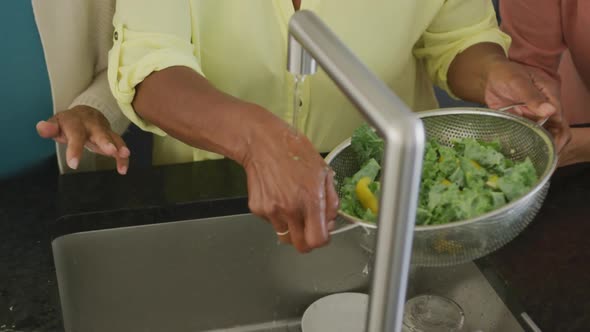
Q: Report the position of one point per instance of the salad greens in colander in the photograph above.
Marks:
(464, 181)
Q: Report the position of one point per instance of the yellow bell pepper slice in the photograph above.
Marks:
(365, 196)
(446, 182)
(475, 164)
(493, 182)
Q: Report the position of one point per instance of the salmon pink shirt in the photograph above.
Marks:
(554, 35)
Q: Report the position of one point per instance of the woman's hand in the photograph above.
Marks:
(483, 74)
(83, 126)
(291, 186)
(511, 83)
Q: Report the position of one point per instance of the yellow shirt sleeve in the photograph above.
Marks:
(148, 37)
(458, 25)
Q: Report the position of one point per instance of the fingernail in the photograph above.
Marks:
(123, 170)
(124, 152)
(73, 163)
(39, 124)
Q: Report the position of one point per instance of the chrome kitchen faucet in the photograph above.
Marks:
(311, 42)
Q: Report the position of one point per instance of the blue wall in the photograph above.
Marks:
(25, 96)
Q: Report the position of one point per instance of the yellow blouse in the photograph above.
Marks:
(241, 48)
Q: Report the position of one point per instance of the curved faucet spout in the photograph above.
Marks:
(311, 41)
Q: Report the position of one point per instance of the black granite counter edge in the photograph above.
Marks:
(90, 201)
(128, 217)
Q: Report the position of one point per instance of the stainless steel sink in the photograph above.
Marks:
(230, 274)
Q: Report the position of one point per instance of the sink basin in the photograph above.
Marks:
(230, 274)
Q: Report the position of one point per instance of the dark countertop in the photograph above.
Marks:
(545, 270)
(28, 293)
(548, 266)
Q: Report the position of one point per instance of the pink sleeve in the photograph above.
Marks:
(535, 28)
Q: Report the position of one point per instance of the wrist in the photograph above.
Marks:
(471, 71)
(258, 129)
(490, 63)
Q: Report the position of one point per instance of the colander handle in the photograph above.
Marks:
(506, 108)
(344, 228)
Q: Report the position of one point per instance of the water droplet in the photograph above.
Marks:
(297, 100)
(366, 270)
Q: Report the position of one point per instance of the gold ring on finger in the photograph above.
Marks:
(283, 233)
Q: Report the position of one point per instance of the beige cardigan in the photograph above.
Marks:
(76, 37)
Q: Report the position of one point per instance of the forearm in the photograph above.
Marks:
(468, 73)
(186, 106)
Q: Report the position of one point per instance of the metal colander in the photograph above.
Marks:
(463, 241)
